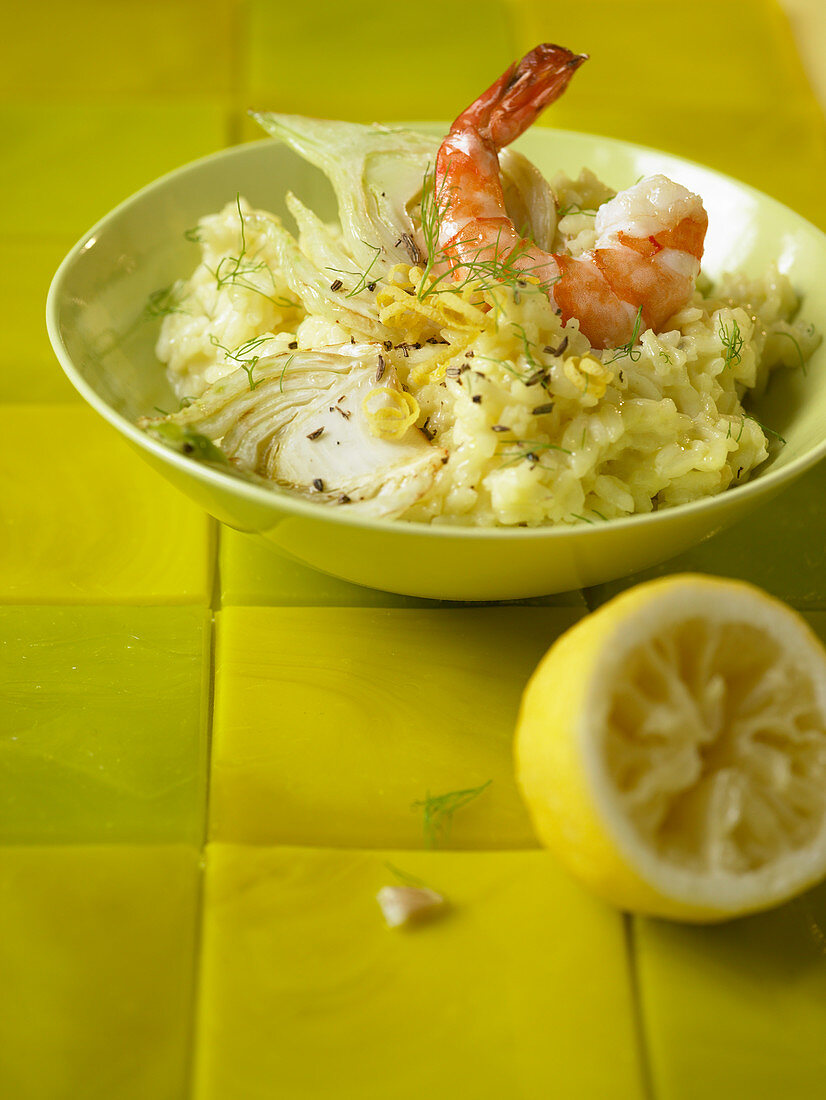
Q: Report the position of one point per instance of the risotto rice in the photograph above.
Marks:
(528, 423)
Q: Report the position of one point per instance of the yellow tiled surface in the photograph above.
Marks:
(331, 722)
(124, 147)
(400, 63)
(86, 521)
(97, 956)
(305, 994)
(737, 1011)
(133, 48)
(29, 371)
(718, 81)
(335, 708)
(80, 761)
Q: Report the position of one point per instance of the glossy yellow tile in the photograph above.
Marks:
(331, 722)
(520, 989)
(794, 136)
(103, 724)
(758, 549)
(87, 521)
(253, 572)
(721, 84)
(66, 164)
(29, 370)
(646, 56)
(135, 47)
(96, 958)
(738, 1010)
(371, 64)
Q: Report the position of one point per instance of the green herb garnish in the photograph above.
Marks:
(365, 282)
(789, 336)
(184, 403)
(430, 222)
(739, 434)
(526, 345)
(241, 355)
(533, 377)
(532, 445)
(439, 809)
(163, 302)
(237, 270)
(492, 265)
(769, 431)
(574, 208)
(630, 350)
(283, 372)
(732, 342)
(406, 877)
(188, 442)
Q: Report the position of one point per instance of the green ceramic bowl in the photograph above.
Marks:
(95, 310)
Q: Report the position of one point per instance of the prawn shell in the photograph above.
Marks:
(641, 281)
(582, 292)
(687, 235)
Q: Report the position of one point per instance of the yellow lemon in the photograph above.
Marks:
(671, 749)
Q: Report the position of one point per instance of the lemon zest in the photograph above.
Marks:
(404, 311)
(461, 307)
(391, 421)
(433, 369)
(587, 373)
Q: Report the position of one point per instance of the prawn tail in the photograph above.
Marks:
(521, 94)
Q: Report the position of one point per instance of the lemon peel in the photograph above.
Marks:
(587, 373)
(391, 419)
(400, 306)
(671, 750)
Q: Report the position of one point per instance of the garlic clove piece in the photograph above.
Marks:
(404, 904)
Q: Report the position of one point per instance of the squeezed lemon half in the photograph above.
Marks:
(671, 750)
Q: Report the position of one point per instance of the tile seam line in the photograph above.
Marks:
(200, 908)
(208, 722)
(239, 26)
(195, 995)
(647, 1091)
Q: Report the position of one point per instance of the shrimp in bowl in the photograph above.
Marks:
(470, 341)
(649, 238)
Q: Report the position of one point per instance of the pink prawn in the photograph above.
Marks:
(649, 237)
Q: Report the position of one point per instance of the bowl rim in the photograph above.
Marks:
(279, 499)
